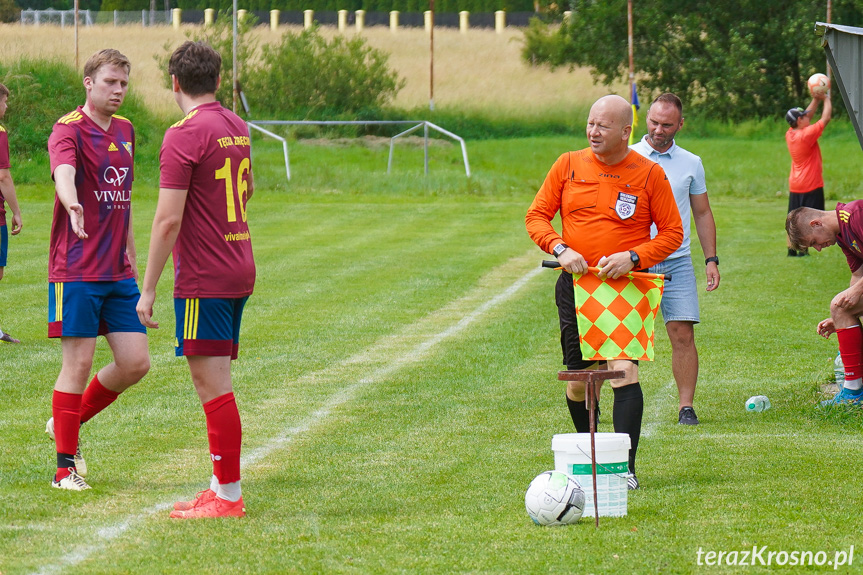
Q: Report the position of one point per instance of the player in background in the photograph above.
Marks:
(7, 193)
(806, 180)
(205, 182)
(92, 272)
(811, 228)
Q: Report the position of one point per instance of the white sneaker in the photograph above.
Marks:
(80, 464)
(72, 482)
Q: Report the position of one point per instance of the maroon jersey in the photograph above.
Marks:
(4, 165)
(103, 164)
(850, 237)
(208, 153)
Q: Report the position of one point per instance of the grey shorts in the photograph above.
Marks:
(680, 298)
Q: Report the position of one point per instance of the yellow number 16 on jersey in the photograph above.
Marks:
(224, 173)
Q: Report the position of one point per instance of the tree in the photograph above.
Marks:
(727, 59)
(9, 12)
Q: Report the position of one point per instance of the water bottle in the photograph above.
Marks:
(839, 370)
(757, 403)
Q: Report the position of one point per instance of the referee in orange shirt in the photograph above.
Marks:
(607, 196)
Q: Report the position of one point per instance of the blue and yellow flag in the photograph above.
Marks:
(635, 107)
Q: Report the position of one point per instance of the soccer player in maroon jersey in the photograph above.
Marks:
(91, 266)
(205, 182)
(812, 228)
(7, 193)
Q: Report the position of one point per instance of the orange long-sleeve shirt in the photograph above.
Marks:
(606, 209)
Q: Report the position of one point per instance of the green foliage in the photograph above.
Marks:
(219, 35)
(728, 60)
(307, 77)
(41, 91)
(125, 5)
(9, 11)
(303, 76)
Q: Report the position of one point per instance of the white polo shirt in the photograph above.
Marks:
(686, 176)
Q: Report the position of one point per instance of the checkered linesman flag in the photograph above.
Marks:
(616, 316)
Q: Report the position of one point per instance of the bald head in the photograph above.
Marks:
(616, 106)
(608, 127)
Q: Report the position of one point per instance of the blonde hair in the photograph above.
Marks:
(108, 56)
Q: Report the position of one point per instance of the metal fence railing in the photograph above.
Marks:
(63, 18)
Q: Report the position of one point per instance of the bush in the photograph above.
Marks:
(9, 11)
(301, 77)
(306, 77)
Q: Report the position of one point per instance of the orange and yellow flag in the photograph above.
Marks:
(616, 316)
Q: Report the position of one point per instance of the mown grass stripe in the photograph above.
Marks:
(386, 348)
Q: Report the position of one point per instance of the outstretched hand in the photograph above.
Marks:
(76, 217)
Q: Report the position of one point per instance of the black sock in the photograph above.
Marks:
(65, 460)
(628, 412)
(579, 414)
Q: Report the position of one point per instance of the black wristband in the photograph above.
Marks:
(714, 259)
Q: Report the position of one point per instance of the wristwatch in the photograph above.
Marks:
(559, 249)
(714, 259)
(634, 258)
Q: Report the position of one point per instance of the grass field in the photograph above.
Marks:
(397, 371)
(397, 382)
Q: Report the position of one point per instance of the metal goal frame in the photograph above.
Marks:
(415, 125)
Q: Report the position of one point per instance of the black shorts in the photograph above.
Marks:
(813, 199)
(564, 297)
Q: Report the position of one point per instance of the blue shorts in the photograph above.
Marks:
(90, 309)
(4, 245)
(208, 326)
(680, 298)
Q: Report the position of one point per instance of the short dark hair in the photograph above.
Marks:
(105, 57)
(669, 98)
(197, 67)
(797, 226)
(4, 91)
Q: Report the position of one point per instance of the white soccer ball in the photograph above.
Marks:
(818, 84)
(554, 498)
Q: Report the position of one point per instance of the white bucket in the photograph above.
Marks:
(572, 456)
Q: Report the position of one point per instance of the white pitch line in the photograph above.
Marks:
(658, 405)
(413, 356)
(110, 532)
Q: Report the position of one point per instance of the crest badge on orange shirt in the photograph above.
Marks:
(625, 206)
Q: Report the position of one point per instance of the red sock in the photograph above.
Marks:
(66, 408)
(96, 398)
(851, 350)
(225, 434)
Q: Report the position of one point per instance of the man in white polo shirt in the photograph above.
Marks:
(680, 300)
